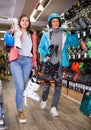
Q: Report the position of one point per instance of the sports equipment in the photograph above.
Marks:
(8, 39)
(53, 15)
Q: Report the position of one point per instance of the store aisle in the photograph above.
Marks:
(70, 116)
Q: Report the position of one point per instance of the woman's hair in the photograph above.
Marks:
(29, 30)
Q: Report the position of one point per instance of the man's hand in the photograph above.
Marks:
(47, 58)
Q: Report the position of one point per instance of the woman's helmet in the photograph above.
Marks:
(52, 16)
(8, 39)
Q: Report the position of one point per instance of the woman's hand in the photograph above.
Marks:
(11, 32)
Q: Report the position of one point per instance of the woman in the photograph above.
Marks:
(22, 60)
(54, 38)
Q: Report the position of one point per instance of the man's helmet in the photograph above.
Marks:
(53, 15)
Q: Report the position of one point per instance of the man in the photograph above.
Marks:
(54, 38)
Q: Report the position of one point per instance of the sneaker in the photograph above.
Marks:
(21, 117)
(54, 111)
(43, 104)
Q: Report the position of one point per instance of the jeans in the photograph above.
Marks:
(57, 89)
(20, 69)
(56, 95)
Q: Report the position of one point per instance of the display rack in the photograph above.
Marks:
(3, 118)
(78, 77)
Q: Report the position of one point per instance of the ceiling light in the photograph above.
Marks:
(39, 10)
(40, 1)
(32, 19)
(43, 9)
(1, 39)
(32, 16)
(33, 13)
(2, 31)
(40, 7)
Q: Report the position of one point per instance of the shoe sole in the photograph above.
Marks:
(54, 115)
(43, 108)
(22, 121)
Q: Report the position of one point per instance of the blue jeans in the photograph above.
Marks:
(21, 69)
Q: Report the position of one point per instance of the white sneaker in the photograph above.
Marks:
(43, 104)
(54, 112)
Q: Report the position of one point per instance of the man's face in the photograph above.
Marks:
(55, 23)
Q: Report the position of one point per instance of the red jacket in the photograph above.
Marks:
(14, 53)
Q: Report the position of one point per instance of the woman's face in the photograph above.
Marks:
(55, 23)
(24, 22)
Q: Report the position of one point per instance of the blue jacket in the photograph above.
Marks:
(71, 40)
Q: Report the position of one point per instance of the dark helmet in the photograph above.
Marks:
(53, 15)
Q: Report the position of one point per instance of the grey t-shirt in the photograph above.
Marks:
(56, 41)
(26, 44)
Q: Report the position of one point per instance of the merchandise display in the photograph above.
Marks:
(78, 75)
(80, 56)
(3, 124)
(85, 105)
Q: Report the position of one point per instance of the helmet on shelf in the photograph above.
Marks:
(52, 16)
(8, 39)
